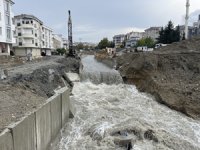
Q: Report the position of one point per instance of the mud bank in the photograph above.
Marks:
(29, 85)
(172, 77)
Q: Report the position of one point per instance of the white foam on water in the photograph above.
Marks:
(103, 110)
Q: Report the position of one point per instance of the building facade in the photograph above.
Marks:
(6, 27)
(47, 41)
(135, 34)
(65, 43)
(196, 28)
(57, 41)
(190, 31)
(118, 40)
(132, 41)
(33, 39)
(153, 32)
(28, 36)
(132, 38)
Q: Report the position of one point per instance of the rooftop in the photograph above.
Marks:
(153, 28)
(26, 16)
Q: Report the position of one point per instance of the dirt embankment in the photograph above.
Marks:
(172, 76)
(103, 57)
(23, 92)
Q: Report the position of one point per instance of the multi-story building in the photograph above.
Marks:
(132, 41)
(182, 31)
(6, 27)
(135, 34)
(47, 42)
(32, 37)
(132, 38)
(57, 41)
(65, 43)
(153, 32)
(28, 36)
(119, 40)
(196, 27)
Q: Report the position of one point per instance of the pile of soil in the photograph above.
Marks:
(24, 92)
(183, 46)
(171, 74)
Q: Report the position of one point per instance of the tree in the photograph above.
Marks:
(61, 51)
(149, 42)
(80, 46)
(169, 34)
(105, 43)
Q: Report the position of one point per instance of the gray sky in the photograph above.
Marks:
(95, 19)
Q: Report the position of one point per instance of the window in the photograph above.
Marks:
(8, 34)
(20, 43)
(8, 20)
(19, 34)
(36, 44)
(27, 22)
(0, 30)
(18, 24)
(31, 22)
(22, 22)
(7, 6)
(32, 41)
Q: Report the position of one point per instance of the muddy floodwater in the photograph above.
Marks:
(117, 116)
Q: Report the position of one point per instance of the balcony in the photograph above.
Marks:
(25, 26)
(28, 35)
(26, 45)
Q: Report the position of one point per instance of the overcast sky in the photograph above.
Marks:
(95, 19)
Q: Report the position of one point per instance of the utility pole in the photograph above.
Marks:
(187, 18)
(70, 39)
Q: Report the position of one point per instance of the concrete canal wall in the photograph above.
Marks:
(38, 129)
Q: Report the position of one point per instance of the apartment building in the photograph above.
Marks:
(33, 38)
(65, 43)
(135, 34)
(6, 27)
(57, 41)
(196, 27)
(118, 40)
(28, 36)
(132, 38)
(132, 41)
(47, 42)
(153, 32)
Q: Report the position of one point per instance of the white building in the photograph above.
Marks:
(132, 41)
(32, 37)
(6, 27)
(28, 36)
(57, 41)
(119, 40)
(135, 34)
(111, 51)
(65, 43)
(47, 40)
(132, 38)
(153, 32)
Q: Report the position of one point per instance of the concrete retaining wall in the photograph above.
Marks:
(38, 129)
